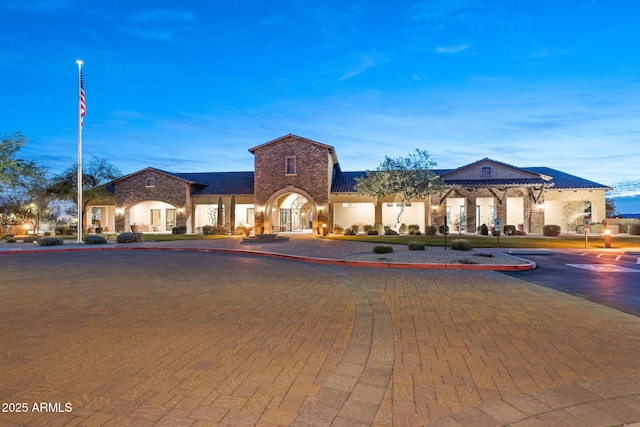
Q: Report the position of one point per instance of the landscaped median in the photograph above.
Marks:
(572, 241)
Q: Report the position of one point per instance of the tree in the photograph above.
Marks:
(574, 210)
(14, 171)
(610, 207)
(411, 177)
(10, 206)
(95, 177)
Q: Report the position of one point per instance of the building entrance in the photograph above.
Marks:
(298, 216)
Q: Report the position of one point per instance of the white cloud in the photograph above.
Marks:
(363, 63)
(452, 49)
(163, 15)
(152, 34)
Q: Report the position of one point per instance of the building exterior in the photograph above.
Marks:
(297, 185)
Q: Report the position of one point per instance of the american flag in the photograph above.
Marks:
(83, 104)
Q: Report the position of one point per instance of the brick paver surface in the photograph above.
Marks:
(197, 339)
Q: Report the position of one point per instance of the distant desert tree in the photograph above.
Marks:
(95, 177)
(13, 170)
(410, 177)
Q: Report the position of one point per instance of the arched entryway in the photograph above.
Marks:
(151, 216)
(290, 211)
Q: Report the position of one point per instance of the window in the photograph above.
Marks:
(151, 182)
(251, 219)
(290, 165)
(486, 170)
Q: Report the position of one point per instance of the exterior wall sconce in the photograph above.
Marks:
(540, 206)
(119, 211)
(260, 208)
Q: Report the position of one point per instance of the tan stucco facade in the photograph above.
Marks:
(293, 188)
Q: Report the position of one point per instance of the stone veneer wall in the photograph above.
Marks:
(313, 162)
(167, 189)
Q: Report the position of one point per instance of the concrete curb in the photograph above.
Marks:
(324, 261)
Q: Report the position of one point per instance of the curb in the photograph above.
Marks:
(324, 261)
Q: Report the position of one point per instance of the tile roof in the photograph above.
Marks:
(210, 183)
(219, 183)
(345, 182)
(567, 181)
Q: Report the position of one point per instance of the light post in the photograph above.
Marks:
(607, 238)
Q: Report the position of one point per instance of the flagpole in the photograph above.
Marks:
(80, 119)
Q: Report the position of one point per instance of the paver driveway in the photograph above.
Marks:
(171, 338)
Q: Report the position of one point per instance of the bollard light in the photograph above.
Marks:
(607, 238)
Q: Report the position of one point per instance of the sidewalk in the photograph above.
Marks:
(135, 338)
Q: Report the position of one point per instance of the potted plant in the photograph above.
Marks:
(134, 228)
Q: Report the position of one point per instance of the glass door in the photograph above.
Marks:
(171, 219)
(155, 219)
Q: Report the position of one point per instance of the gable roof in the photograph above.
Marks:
(282, 138)
(122, 178)
(329, 148)
(344, 182)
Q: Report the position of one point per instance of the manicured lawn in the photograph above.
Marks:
(560, 242)
(172, 237)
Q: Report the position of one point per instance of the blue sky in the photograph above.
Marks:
(192, 85)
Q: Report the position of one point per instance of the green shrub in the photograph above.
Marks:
(403, 228)
(416, 246)
(431, 230)
(441, 229)
(466, 261)
(350, 232)
(11, 240)
(367, 228)
(355, 228)
(633, 229)
(509, 230)
(382, 249)
(94, 239)
(414, 229)
(484, 230)
(388, 231)
(60, 229)
(50, 241)
(597, 227)
(551, 230)
(622, 228)
(580, 229)
(461, 245)
(30, 239)
(69, 232)
(8, 236)
(130, 238)
(337, 229)
(378, 227)
(183, 229)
